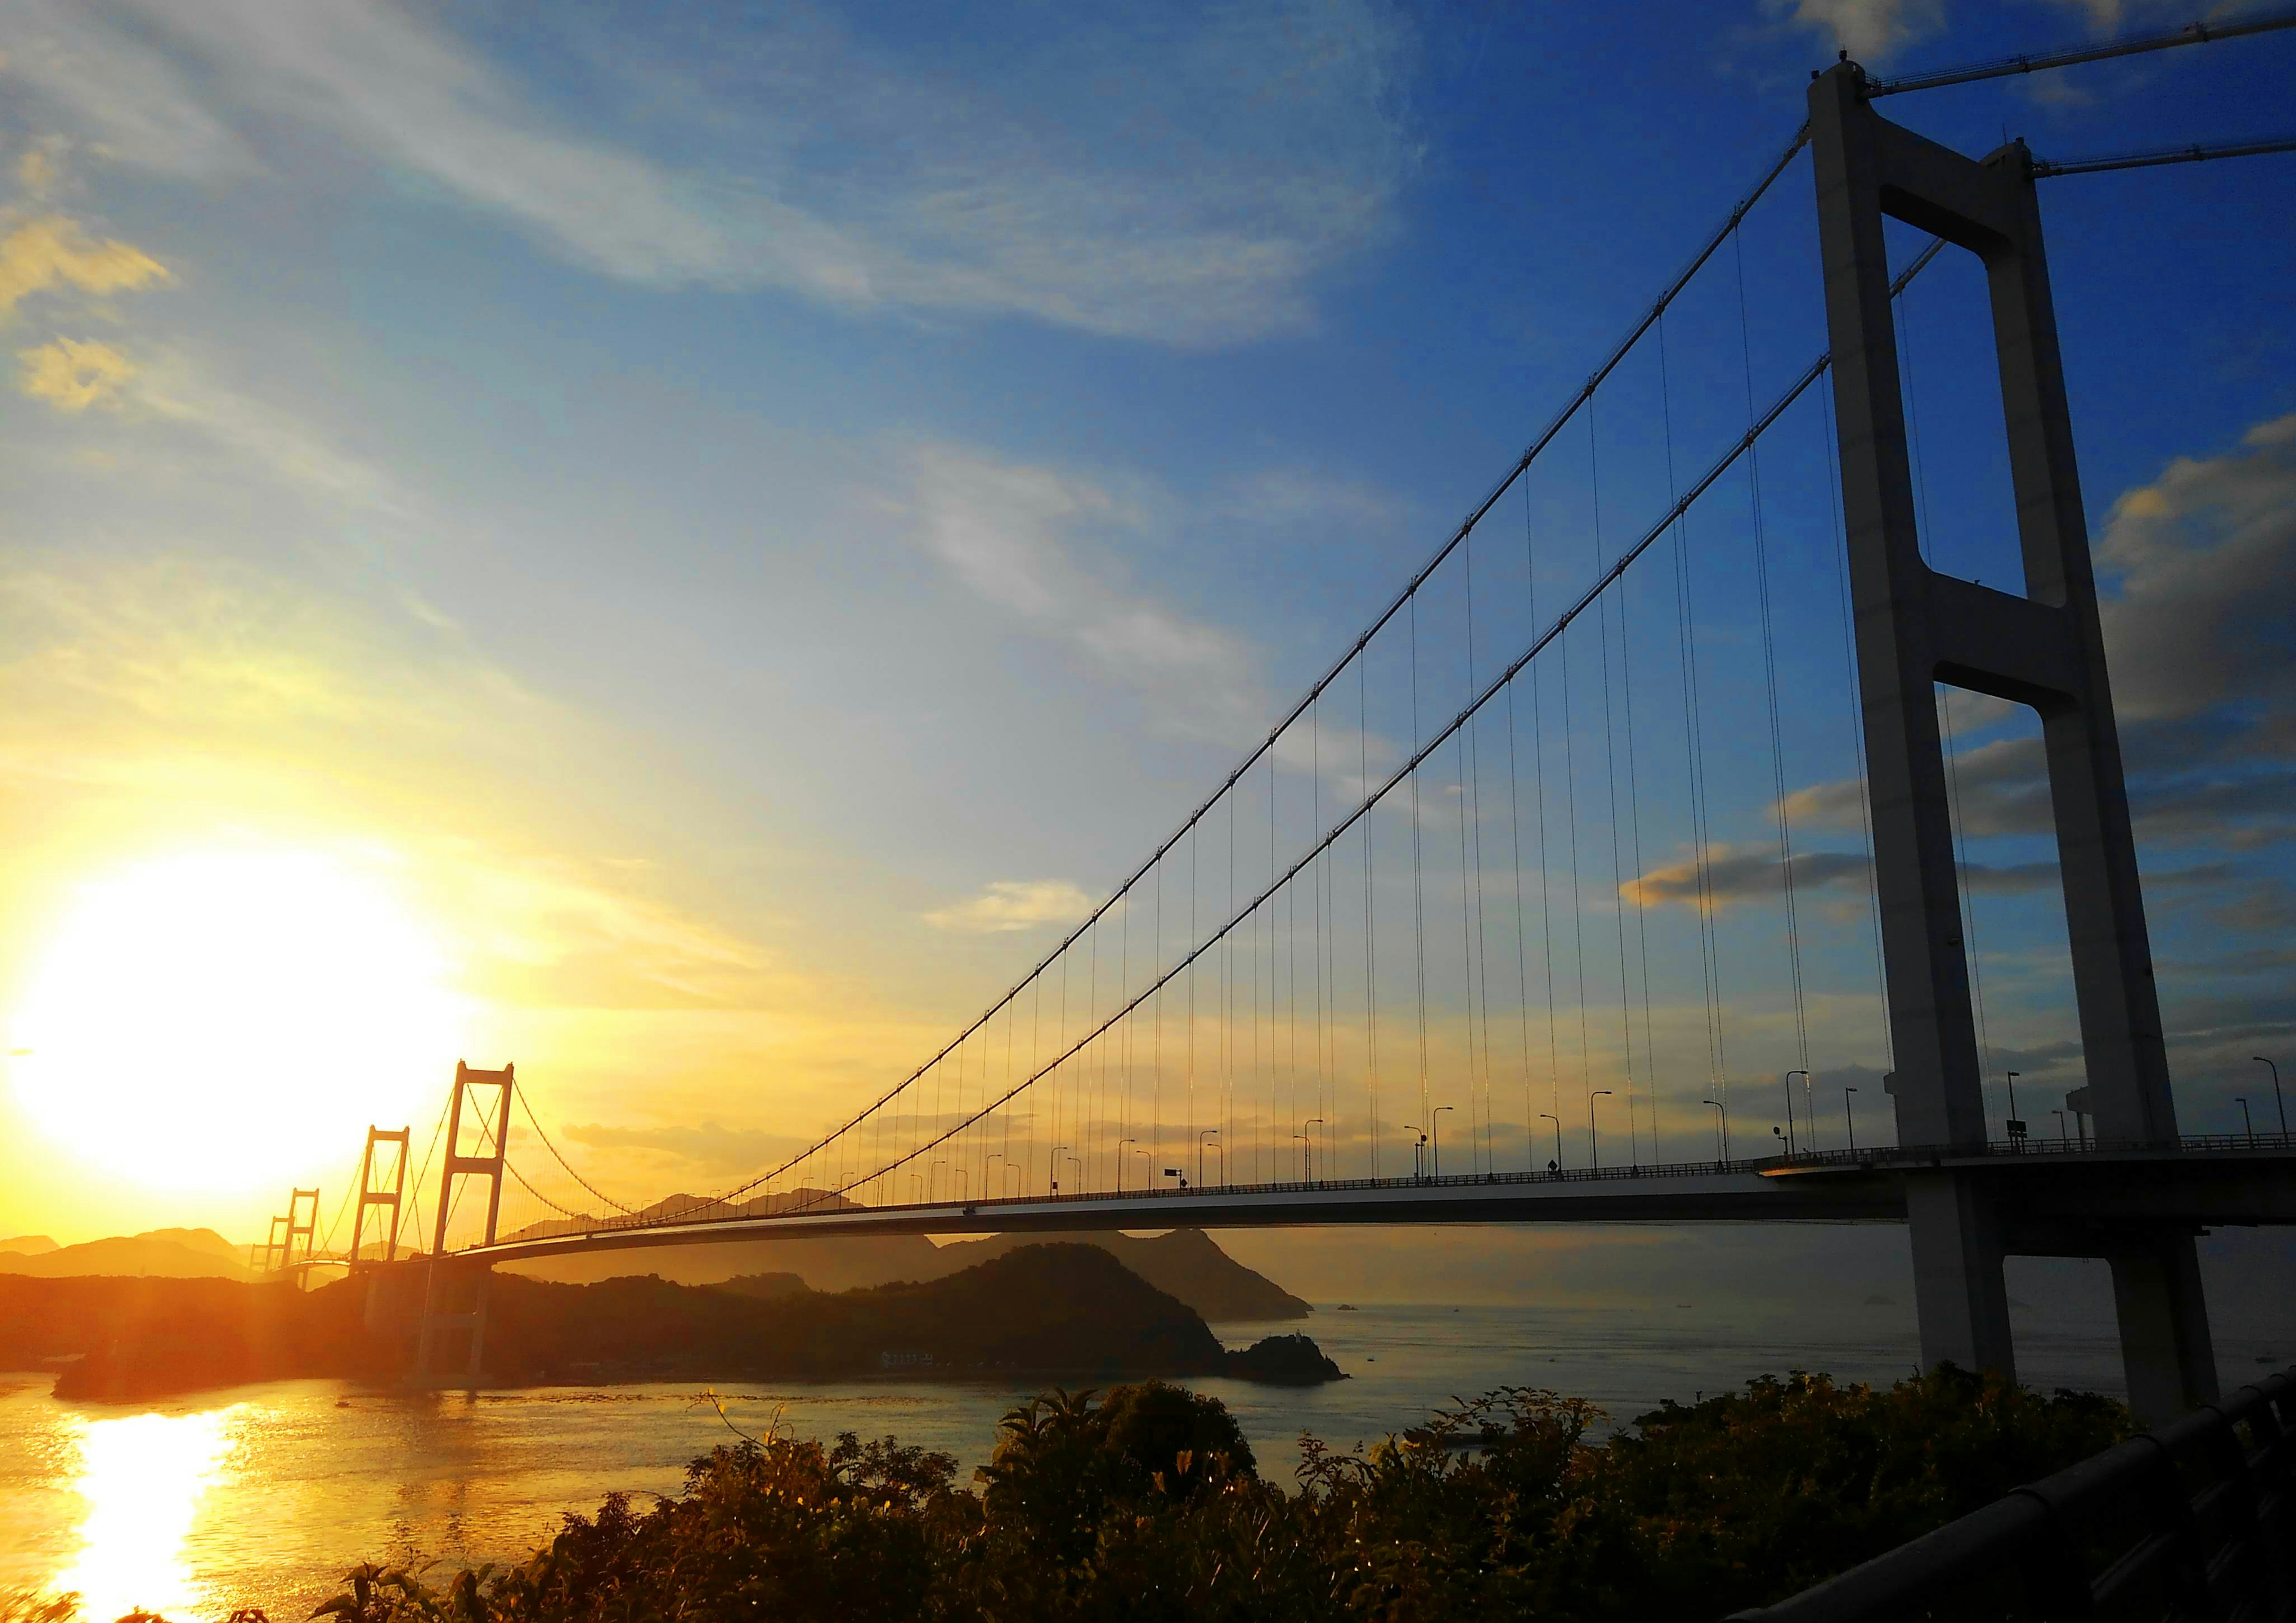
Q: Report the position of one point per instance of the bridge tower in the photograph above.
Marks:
(369, 1195)
(454, 1298)
(1917, 629)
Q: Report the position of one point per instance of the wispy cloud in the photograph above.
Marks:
(1009, 903)
(1042, 546)
(1190, 196)
(72, 374)
(54, 251)
(1733, 873)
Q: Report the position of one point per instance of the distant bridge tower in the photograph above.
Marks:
(2044, 649)
(369, 1195)
(455, 1299)
(279, 1243)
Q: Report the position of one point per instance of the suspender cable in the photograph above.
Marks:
(1506, 482)
(1610, 787)
(1770, 688)
(1491, 689)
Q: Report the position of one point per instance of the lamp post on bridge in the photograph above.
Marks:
(1209, 1133)
(1435, 1128)
(2247, 1127)
(994, 1156)
(2277, 1099)
(1593, 1157)
(1557, 1121)
(1053, 1167)
(2016, 1127)
(2063, 1139)
(1849, 1127)
(1314, 1122)
(1120, 1161)
(1789, 1077)
(1721, 1133)
(1418, 1152)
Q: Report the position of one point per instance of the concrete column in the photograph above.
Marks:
(2165, 1352)
(1960, 1296)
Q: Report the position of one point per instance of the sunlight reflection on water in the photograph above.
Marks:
(141, 1479)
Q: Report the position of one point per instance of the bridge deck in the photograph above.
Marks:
(2051, 1190)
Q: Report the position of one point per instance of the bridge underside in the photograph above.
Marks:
(2052, 1205)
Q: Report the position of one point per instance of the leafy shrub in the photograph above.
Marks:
(1149, 1505)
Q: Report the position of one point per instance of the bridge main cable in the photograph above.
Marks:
(1618, 567)
(1561, 420)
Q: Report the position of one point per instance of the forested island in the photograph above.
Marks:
(1067, 1311)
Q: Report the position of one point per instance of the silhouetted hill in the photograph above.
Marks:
(146, 1338)
(26, 1245)
(766, 1287)
(163, 1253)
(1070, 1311)
(1187, 1263)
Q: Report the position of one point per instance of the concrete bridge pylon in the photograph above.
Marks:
(1917, 629)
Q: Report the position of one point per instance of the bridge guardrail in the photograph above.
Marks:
(2194, 1521)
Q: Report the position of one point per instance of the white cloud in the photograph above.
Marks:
(1136, 181)
(1037, 544)
(2206, 556)
(1008, 905)
(1868, 29)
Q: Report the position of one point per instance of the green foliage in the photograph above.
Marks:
(1149, 1505)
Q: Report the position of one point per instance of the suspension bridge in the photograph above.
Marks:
(1576, 745)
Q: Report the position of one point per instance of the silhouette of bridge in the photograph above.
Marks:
(1309, 972)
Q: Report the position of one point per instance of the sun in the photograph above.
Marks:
(226, 1021)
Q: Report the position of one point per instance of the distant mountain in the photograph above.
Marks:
(1187, 1263)
(764, 1287)
(26, 1245)
(163, 1253)
(825, 1265)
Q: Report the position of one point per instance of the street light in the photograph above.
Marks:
(1557, 1121)
(1312, 1121)
(2277, 1099)
(1593, 1157)
(1436, 1128)
(2248, 1127)
(2016, 1127)
(1722, 1132)
(1788, 1080)
(994, 1156)
(1849, 1125)
(932, 1182)
(2061, 1138)
(1055, 1166)
(1120, 1161)
(1418, 1152)
(1209, 1133)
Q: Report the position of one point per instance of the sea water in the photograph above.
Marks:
(263, 1495)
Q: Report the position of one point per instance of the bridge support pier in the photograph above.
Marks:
(1960, 1295)
(2166, 1351)
(2042, 648)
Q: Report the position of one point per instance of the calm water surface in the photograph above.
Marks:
(263, 1496)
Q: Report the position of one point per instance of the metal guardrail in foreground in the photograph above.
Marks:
(2195, 1522)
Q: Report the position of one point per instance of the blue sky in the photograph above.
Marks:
(742, 523)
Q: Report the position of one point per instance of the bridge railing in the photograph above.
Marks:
(2194, 1521)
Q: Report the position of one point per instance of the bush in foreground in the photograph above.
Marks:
(1149, 1505)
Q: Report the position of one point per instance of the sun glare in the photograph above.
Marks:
(229, 1021)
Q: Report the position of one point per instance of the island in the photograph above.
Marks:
(1067, 1312)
